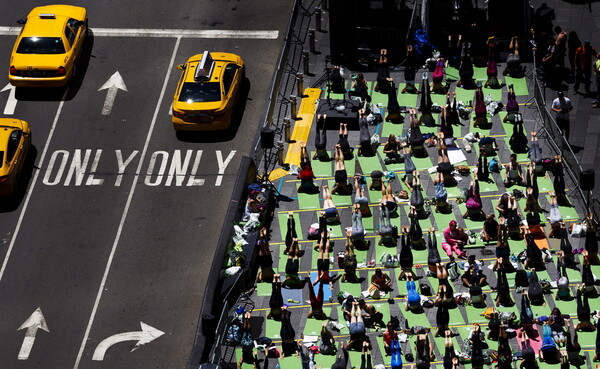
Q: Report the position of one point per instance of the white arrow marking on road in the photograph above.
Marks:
(33, 323)
(11, 103)
(146, 335)
(114, 83)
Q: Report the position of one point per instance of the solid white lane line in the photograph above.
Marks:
(31, 187)
(127, 204)
(166, 32)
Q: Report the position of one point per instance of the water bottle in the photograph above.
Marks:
(277, 366)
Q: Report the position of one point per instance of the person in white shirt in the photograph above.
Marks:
(562, 106)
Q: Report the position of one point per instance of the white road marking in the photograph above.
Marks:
(127, 204)
(35, 321)
(113, 85)
(123, 164)
(11, 103)
(223, 164)
(146, 335)
(30, 191)
(167, 33)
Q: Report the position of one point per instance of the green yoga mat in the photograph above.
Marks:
(545, 184)
(264, 289)
(379, 98)
(355, 358)
(508, 128)
(374, 196)
(272, 329)
(369, 164)
(368, 224)
(422, 163)
(355, 289)
(389, 128)
(438, 99)
(521, 158)
(238, 356)
(306, 201)
(486, 130)
(442, 221)
(568, 213)
(468, 222)
(451, 74)
(406, 99)
(574, 275)
(395, 167)
(480, 73)
(325, 361)
(520, 85)
(415, 318)
(322, 168)
(474, 313)
(282, 218)
(496, 93)
(488, 186)
(465, 95)
(339, 200)
(291, 362)
(335, 230)
(586, 339)
(312, 327)
(453, 191)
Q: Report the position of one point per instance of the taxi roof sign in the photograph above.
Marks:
(47, 16)
(205, 68)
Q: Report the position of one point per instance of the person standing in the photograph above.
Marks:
(562, 106)
(596, 103)
(583, 65)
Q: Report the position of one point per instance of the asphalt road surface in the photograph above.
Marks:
(120, 219)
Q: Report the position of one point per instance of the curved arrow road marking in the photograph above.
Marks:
(33, 323)
(11, 103)
(114, 83)
(146, 335)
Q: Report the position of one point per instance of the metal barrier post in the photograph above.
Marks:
(318, 18)
(306, 60)
(280, 159)
(294, 106)
(299, 84)
(286, 130)
(311, 41)
(324, 4)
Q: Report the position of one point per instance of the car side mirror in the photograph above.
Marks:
(181, 66)
(21, 21)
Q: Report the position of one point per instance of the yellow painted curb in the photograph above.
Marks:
(302, 126)
(277, 173)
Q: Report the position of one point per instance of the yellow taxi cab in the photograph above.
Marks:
(207, 91)
(15, 140)
(46, 50)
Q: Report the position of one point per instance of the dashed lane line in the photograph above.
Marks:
(167, 33)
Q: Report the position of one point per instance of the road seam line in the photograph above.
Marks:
(126, 209)
(30, 190)
(167, 33)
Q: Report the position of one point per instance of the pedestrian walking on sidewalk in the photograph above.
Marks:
(596, 103)
(562, 106)
(583, 65)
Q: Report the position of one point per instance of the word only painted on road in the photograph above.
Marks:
(178, 168)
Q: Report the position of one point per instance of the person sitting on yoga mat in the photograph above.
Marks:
(380, 281)
(413, 298)
(454, 241)
(360, 198)
(415, 233)
(365, 148)
(330, 211)
(264, 258)
(350, 262)
(473, 275)
(406, 256)
(389, 335)
(409, 165)
(480, 120)
(591, 240)
(503, 297)
(473, 203)
(289, 346)
(557, 324)
(425, 105)
(444, 166)
(433, 254)
(513, 172)
(477, 346)
(466, 72)
(371, 316)
(442, 315)
(357, 327)
(512, 107)
(321, 139)
(341, 186)
(292, 267)
(386, 231)
(424, 352)
(437, 78)
(343, 142)
(504, 350)
(492, 68)
(342, 360)
(316, 300)
(550, 353)
(489, 232)
(410, 71)
(573, 347)
(441, 195)
(583, 311)
(513, 60)
(488, 145)
(384, 80)
(528, 358)
(360, 88)
(396, 352)
(276, 299)
(563, 292)
(502, 204)
(391, 150)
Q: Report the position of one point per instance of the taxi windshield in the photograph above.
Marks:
(41, 45)
(200, 92)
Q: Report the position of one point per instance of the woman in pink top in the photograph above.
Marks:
(454, 240)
